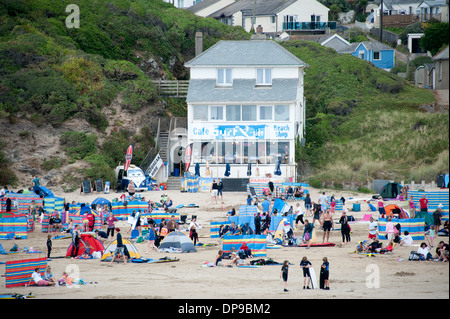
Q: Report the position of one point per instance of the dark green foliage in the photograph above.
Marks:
(79, 145)
(435, 37)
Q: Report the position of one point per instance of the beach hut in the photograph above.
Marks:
(96, 245)
(178, 240)
(132, 250)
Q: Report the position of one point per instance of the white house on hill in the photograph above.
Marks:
(245, 105)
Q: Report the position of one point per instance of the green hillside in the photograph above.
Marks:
(364, 123)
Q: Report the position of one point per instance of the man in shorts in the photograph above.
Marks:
(327, 224)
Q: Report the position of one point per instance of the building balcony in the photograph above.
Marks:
(307, 26)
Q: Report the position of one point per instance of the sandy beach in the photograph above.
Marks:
(389, 276)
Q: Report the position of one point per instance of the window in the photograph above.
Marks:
(265, 113)
(248, 112)
(200, 112)
(224, 77)
(264, 77)
(216, 113)
(233, 112)
(273, 19)
(376, 55)
(282, 113)
(361, 54)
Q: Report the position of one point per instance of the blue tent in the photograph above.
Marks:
(44, 192)
(280, 205)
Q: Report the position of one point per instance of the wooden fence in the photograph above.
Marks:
(172, 88)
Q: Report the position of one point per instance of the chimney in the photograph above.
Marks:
(198, 43)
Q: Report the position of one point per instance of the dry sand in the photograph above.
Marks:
(351, 275)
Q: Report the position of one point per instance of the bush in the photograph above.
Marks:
(79, 145)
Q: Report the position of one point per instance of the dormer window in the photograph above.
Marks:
(224, 77)
(264, 77)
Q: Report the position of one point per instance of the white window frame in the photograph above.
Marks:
(271, 113)
(223, 80)
(211, 113)
(265, 81)
(194, 113)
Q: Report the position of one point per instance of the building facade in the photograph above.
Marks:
(245, 106)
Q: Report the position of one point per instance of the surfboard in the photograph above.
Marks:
(313, 277)
(249, 266)
(446, 181)
(135, 220)
(162, 260)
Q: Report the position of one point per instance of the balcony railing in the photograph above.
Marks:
(293, 26)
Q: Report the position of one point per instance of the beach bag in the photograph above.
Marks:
(414, 256)
(307, 237)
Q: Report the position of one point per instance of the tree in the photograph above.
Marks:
(435, 37)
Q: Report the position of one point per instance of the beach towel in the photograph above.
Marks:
(367, 217)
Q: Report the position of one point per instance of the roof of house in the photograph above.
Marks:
(242, 90)
(375, 46)
(228, 11)
(434, 3)
(202, 5)
(442, 55)
(246, 53)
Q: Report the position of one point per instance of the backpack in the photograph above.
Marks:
(414, 256)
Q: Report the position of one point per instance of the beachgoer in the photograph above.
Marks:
(151, 237)
(299, 214)
(120, 248)
(193, 235)
(327, 224)
(424, 252)
(36, 185)
(76, 237)
(257, 221)
(48, 275)
(423, 203)
(307, 233)
(345, 227)
(219, 258)
(214, 191)
(442, 250)
(37, 278)
(407, 240)
(284, 274)
(172, 224)
(373, 227)
(317, 210)
(390, 229)
(220, 188)
(308, 205)
(323, 201)
(430, 234)
(305, 264)
(332, 206)
(381, 208)
(111, 221)
(437, 218)
(412, 206)
(325, 274)
(249, 200)
(49, 245)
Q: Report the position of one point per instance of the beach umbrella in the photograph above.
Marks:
(227, 170)
(197, 169)
(249, 169)
(278, 169)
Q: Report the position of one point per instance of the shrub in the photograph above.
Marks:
(78, 145)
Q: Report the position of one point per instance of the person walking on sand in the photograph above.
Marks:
(76, 238)
(284, 274)
(345, 227)
(214, 191)
(120, 248)
(327, 224)
(151, 237)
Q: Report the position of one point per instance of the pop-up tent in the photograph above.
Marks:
(178, 240)
(96, 245)
(280, 206)
(109, 251)
(394, 209)
(391, 190)
(284, 226)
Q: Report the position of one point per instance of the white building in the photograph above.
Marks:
(274, 16)
(245, 105)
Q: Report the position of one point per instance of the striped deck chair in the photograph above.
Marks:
(18, 272)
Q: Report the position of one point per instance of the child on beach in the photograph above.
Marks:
(430, 234)
(325, 274)
(284, 273)
(305, 265)
(49, 245)
(333, 206)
